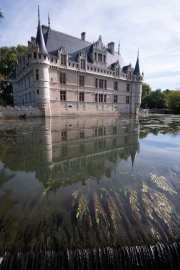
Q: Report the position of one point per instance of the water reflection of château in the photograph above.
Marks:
(96, 145)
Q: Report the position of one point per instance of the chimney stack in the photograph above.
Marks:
(111, 47)
(83, 36)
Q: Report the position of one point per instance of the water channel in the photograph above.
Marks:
(86, 183)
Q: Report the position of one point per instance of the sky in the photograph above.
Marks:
(151, 26)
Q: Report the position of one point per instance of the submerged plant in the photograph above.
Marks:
(162, 182)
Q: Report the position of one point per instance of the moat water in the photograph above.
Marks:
(81, 183)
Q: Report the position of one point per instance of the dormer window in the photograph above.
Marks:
(99, 57)
(83, 63)
(63, 59)
(117, 72)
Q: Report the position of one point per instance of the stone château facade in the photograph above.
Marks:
(62, 75)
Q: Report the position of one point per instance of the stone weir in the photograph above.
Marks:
(16, 111)
(155, 257)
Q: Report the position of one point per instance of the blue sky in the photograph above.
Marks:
(152, 26)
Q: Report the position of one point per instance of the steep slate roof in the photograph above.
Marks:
(54, 39)
(137, 68)
(40, 40)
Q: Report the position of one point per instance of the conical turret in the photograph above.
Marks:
(137, 68)
(40, 38)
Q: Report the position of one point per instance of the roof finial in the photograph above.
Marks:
(138, 53)
(119, 47)
(38, 16)
(48, 20)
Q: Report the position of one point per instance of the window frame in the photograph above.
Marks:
(81, 80)
(115, 98)
(81, 96)
(63, 59)
(62, 95)
(127, 100)
(62, 78)
(115, 85)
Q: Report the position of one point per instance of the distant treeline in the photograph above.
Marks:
(169, 99)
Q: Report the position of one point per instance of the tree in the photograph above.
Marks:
(174, 100)
(156, 99)
(8, 57)
(146, 90)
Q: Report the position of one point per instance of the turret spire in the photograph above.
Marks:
(40, 37)
(119, 47)
(38, 16)
(48, 20)
(137, 68)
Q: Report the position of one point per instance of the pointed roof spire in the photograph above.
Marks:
(38, 16)
(137, 68)
(40, 38)
(119, 47)
(48, 20)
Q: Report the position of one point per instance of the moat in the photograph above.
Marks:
(68, 183)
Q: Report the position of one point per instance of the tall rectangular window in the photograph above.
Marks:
(127, 100)
(35, 56)
(81, 96)
(105, 84)
(100, 83)
(114, 130)
(104, 98)
(63, 59)
(62, 95)
(115, 98)
(128, 87)
(64, 135)
(62, 78)
(117, 72)
(82, 63)
(115, 85)
(95, 97)
(81, 80)
(96, 83)
(100, 97)
(82, 134)
(100, 57)
(37, 74)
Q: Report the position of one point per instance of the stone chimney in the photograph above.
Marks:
(111, 47)
(33, 40)
(83, 36)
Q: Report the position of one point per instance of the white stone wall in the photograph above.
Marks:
(45, 92)
(15, 111)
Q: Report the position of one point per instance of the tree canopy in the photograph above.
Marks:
(160, 99)
(174, 100)
(8, 57)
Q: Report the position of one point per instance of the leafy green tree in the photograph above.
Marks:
(158, 100)
(146, 90)
(8, 57)
(174, 100)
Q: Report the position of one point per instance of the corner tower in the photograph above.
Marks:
(40, 61)
(137, 86)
